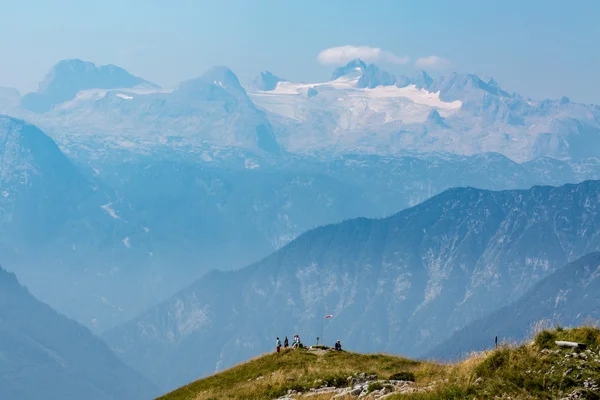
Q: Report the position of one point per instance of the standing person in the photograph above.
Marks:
(286, 344)
(278, 345)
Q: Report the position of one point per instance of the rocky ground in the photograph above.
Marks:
(360, 386)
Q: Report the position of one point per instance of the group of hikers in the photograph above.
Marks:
(295, 345)
(298, 344)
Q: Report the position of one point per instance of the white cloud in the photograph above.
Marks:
(344, 54)
(433, 62)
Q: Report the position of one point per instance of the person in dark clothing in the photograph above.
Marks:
(338, 346)
(286, 344)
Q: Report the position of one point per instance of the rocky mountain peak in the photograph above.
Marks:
(354, 68)
(266, 81)
(68, 77)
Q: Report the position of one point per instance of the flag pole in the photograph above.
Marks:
(322, 340)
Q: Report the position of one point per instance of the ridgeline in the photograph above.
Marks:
(538, 369)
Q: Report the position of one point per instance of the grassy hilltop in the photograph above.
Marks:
(535, 370)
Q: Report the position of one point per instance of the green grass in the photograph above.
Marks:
(535, 370)
(272, 375)
(374, 386)
(403, 376)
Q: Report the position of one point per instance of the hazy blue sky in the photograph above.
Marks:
(540, 48)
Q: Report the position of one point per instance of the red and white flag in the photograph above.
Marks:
(329, 316)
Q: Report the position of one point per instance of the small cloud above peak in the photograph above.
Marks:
(344, 54)
(432, 62)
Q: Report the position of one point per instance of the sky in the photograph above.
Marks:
(538, 48)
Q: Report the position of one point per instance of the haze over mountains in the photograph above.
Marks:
(45, 355)
(118, 196)
(402, 284)
(197, 177)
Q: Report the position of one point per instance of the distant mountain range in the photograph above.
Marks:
(568, 297)
(199, 177)
(109, 232)
(45, 355)
(363, 109)
(402, 284)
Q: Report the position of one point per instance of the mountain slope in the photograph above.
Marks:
(69, 77)
(399, 284)
(45, 355)
(569, 297)
(39, 186)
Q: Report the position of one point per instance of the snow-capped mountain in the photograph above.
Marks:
(69, 77)
(367, 76)
(362, 109)
(354, 69)
(365, 110)
(359, 96)
(47, 356)
(400, 284)
(128, 114)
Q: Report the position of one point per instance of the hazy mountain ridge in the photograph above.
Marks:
(39, 185)
(45, 355)
(111, 230)
(124, 222)
(568, 297)
(400, 284)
